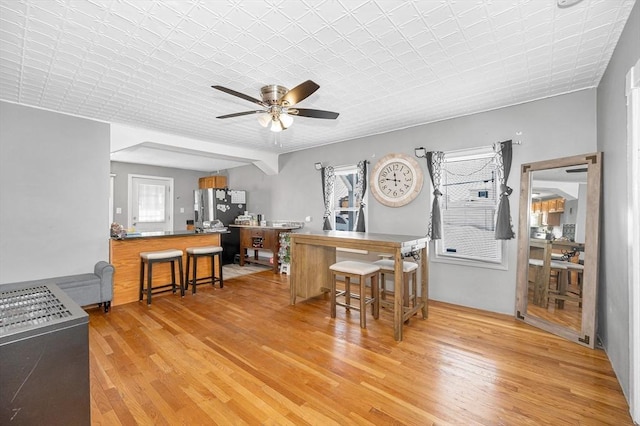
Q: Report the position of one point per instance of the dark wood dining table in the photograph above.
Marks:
(313, 252)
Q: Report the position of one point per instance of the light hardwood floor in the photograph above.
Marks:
(243, 355)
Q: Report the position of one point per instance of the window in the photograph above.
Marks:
(469, 203)
(150, 203)
(345, 203)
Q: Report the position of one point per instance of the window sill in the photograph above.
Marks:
(503, 266)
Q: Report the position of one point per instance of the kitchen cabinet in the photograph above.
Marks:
(554, 205)
(212, 182)
(553, 219)
(551, 205)
(260, 238)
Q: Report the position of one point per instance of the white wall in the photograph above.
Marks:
(555, 127)
(613, 302)
(54, 193)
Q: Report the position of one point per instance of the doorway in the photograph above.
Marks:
(150, 203)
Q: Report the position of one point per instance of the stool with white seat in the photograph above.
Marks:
(409, 272)
(362, 271)
(541, 290)
(152, 257)
(205, 251)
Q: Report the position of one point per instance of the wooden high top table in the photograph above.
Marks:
(313, 252)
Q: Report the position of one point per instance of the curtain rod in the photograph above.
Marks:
(454, 151)
(343, 166)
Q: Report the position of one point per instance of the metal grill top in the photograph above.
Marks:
(27, 307)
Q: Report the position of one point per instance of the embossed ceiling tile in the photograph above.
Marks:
(452, 41)
(464, 61)
(444, 29)
(310, 44)
(470, 15)
(47, 11)
(11, 28)
(477, 38)
(11, 61)
(168, 15)
(345, 24)
(367, 11)
(414, 29)
(9, 48)
(279, 42)
(15, 12)
(434, 13)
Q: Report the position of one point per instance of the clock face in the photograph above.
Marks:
(396, 180)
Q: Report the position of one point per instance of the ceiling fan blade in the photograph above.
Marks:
(313, 113)
(238, 114)
(240, 95)
(298, 93)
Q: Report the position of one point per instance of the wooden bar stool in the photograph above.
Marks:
(409, 273)
(562, 292)
(362, 271)
(205, 251)
(151, 257)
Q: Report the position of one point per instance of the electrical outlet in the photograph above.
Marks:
(118, 210)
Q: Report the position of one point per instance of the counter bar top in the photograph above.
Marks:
(283, 228)
(155, 234)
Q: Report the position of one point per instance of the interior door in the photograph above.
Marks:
(150, 204)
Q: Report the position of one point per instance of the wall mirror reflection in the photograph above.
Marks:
(558, 246)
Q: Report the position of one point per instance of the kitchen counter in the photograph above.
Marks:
(124, 255)
(155, 234)
(259, 238)
(265, 227)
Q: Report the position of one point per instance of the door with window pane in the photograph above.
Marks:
(151, 203)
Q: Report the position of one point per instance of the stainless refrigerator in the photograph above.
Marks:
(221, 204)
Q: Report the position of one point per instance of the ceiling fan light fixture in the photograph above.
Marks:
(276, 125)
(286, 120)
(277, 102)
(264, 119)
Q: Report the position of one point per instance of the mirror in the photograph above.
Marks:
(558, 246)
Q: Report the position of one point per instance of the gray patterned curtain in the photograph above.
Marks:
(361, 187)
(434, 164)
(328, 181)
(504, 227)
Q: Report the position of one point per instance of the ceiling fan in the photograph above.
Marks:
(278, 103)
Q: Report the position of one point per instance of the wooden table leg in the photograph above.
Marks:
(424, 283)
(398, 291)
(293, 277)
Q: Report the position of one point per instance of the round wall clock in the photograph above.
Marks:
(396, 180)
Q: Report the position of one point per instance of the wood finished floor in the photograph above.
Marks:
(243, 355)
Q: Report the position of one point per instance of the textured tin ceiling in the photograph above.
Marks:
(383, 65)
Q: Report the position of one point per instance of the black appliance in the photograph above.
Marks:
(225, 205)
(44, 357)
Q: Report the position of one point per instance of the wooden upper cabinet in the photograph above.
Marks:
(212, 182)
(554, 205)
(553, 219)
